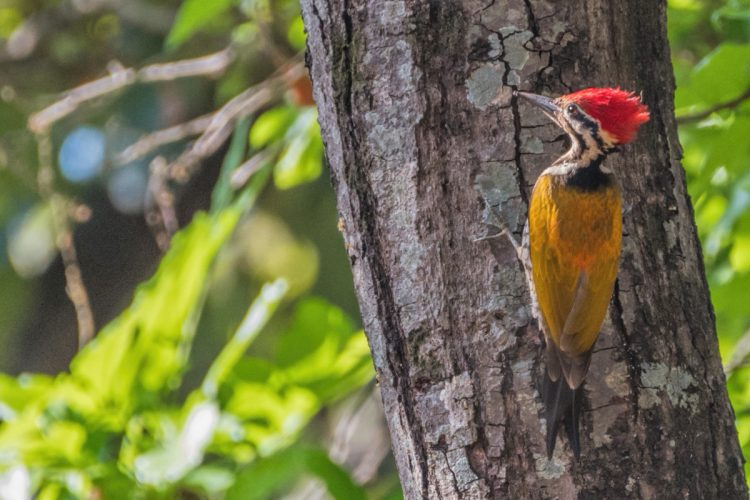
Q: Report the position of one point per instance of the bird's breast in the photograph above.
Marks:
(580, 225)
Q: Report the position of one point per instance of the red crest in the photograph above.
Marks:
(619, 112)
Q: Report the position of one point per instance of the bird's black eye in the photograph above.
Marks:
(572, 109)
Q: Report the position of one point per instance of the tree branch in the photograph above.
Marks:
(154, 140)
(731, 104)
(74, 285)
(121, 77)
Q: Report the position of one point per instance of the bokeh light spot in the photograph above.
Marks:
(31, 242)
(127, 188)
(82, 154)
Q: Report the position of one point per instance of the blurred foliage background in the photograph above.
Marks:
(710, 42)
(187, 182)
(161, 162)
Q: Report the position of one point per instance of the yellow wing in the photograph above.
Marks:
(574, 245)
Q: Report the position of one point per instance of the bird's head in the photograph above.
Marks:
(596, 119)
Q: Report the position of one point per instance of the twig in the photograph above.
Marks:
(41, 121)
(161, 218)
(61, 211)
(248, 102)
(213, 126)
(120, 78)
(731, 104)
(154, 140)
(220, 128)
(212, 64)
(242, 173)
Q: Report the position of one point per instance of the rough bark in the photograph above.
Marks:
(420, 126)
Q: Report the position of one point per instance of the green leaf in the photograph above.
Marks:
(732, 62)
(271, 412)
(739, 256)
(173, 459)
(302, 159)
(255, 319)
(266, 476)
(322, 351)
(209, 479)
(192, 16)
(722, 232)
(730, 304)
(271, 126)
(17, 393)
(733, 22)
(296, 34)
(314, 322)
(143, 350)
(222, 193)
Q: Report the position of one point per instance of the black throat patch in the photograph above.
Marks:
(590, 177)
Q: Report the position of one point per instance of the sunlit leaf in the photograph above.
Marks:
(17, 393)
(739, 256)
(256, 318)
(272, 411)
(176, 457)
(271, 126)
(323, 352)
(194, 15)
(732, 62)
(296, 33)
(141, 348)
(209, 479)
(15, 482)
(302, 158)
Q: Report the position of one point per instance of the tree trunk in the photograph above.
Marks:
(420, 125)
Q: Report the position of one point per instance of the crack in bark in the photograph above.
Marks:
(450, 469)
(631, 358)
(517, 144)
(532, 22)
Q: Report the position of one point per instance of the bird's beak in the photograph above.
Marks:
(544, 103)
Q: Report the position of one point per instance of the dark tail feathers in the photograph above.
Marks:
(562, 405)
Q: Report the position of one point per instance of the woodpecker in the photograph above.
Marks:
(574, 237)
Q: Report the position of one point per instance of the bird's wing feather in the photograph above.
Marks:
(593, 293)
(573, 299)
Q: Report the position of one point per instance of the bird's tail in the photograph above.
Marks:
(562, 405)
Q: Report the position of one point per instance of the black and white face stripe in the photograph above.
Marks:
(588, 143)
